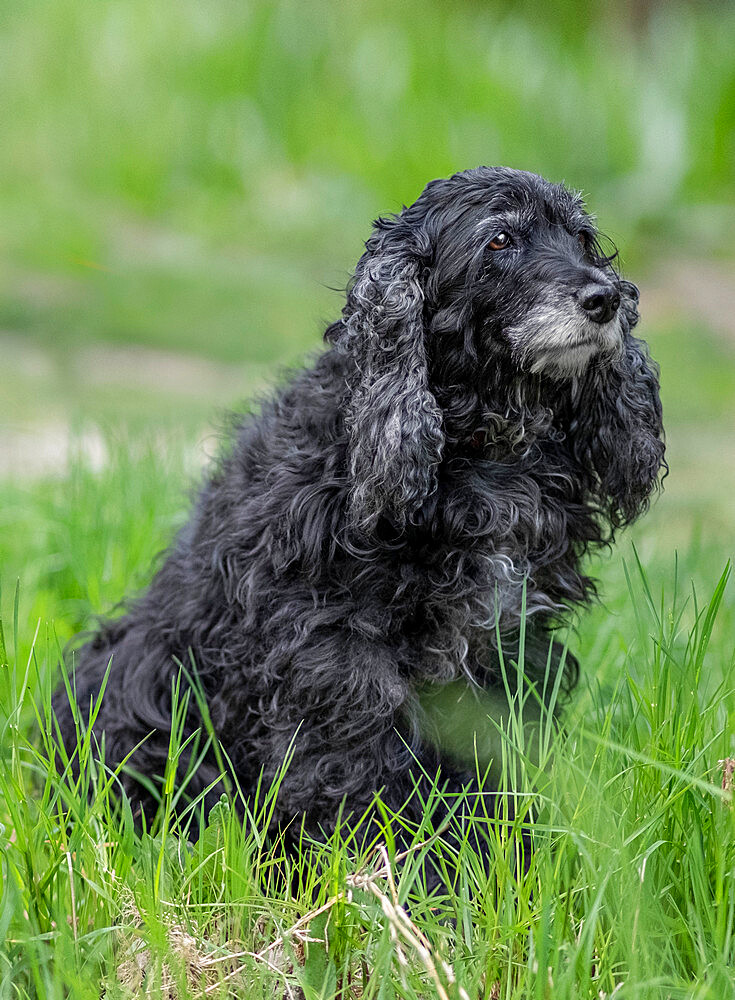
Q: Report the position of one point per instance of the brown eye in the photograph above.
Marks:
(583, 240)
(500, 242)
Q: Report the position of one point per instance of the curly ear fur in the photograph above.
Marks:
(618, 431)
(394, 422)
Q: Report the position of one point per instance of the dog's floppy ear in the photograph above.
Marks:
(393, 420)
(617, 429)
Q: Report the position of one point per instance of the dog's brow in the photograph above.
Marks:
(513, 219)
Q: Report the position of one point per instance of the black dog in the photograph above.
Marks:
(481, 418)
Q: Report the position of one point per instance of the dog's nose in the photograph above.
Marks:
(600, 302)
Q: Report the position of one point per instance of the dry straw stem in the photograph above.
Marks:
(403, 930)
(75, 927)
(404, 933)
(202, 968)
(728, 778)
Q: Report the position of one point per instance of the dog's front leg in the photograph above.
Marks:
(330, 727)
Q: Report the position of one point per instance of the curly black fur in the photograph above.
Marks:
(474, 428)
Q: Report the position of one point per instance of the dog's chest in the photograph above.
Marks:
(499, 545)
(504, 520)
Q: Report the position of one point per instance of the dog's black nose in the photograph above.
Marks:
(600, 302)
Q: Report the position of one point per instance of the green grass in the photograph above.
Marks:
(630, 886)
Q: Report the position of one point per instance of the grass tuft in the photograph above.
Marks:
(628, 891)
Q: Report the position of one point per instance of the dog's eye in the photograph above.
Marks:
(500, 241)
(584, 241)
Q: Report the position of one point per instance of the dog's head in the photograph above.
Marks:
(491, 270)
(522, 259)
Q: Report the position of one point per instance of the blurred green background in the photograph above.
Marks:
(184, 188)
